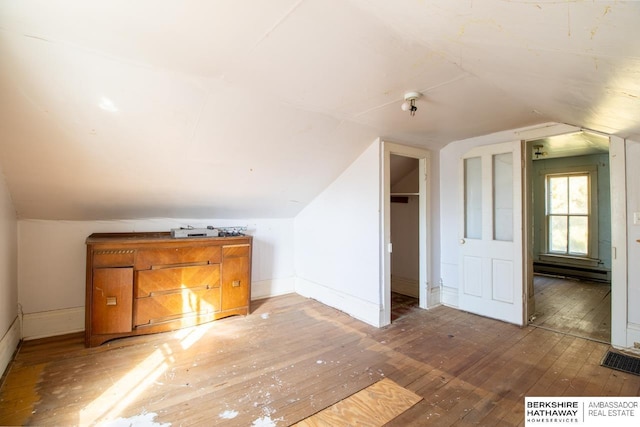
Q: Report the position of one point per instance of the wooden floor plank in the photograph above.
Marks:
(293, 357)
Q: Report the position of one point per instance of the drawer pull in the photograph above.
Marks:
(235, 283)
(176, 291)
(112, 301)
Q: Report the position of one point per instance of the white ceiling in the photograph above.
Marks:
(574, 144)
(213, 109)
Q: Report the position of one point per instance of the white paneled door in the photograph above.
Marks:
(491, 250)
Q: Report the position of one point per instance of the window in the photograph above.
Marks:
(571, 222)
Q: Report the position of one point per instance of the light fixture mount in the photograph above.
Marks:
(409, 103)
(538, 151)
(412, 96)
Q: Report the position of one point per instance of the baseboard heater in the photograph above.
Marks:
(572, 271)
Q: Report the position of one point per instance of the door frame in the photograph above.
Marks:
(619, 243)
(617, 188)
(428, 294)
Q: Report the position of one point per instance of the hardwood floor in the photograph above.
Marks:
(401, 305)
(581, 308)
(292, 357)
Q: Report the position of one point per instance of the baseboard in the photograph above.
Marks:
(450, 297)
(51, 323)
(404, 286)
(633, 337)
(272, 288)
(366, 311)
(434, 298)
(9, 344)
(59, 322)
(573, 271)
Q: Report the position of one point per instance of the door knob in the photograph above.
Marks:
(462, 241)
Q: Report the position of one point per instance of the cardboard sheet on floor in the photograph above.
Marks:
(372, 406)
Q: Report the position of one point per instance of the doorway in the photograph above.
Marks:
(570, 250)
(428, 295)
(405, 225)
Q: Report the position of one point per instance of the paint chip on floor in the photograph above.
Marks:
(263, 422)
(228, 415)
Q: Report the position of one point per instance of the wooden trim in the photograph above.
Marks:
(53, 322)
(619, 272)
(388, 148)
(8, 345)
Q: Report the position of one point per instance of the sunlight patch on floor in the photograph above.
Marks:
(109, 406)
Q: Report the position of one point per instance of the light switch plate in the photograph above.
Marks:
(636, 218)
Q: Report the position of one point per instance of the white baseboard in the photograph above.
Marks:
(633, 337)
(450, 296)
(435, 297)
(59, 322)
(9, 344)
(272, 288)
(51, 323)
(366, 311)
(405, 286)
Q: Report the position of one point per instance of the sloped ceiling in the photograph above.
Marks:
(226, 109)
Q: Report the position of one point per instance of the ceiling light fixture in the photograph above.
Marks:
(409, 103)
(538, 152)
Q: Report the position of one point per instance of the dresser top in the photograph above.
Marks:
(155, 236)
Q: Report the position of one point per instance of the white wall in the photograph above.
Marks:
(52, 256)
(435, 255)
(9, 325)
(337, 241)
(405, 223)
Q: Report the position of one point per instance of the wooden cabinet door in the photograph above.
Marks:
(235, 282)
(112, 305)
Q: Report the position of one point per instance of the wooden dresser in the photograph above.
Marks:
(140, 283)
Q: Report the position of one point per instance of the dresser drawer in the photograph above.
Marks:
(167, 307)
(233, 251)
(166, 280)
(148, 258)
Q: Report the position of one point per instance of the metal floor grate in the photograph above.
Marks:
(622, 362)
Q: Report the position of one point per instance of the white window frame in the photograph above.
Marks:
(592, 251)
